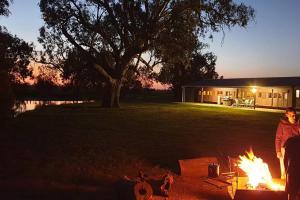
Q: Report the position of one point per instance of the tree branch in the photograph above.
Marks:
(96, 65)
(94, 28)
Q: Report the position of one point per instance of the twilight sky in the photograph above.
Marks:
(270, 46)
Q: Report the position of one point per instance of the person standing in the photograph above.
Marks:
(288, 127)
(292, 166)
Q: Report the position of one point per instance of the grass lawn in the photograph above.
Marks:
(87, 144)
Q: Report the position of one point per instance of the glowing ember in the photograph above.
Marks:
(258, 172)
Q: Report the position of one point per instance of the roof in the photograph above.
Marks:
(244, 82)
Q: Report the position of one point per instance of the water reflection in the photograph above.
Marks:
(23, 106)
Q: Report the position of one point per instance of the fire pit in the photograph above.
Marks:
(240, 190)
(259, 184)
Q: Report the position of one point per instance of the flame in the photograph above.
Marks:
(258, 172)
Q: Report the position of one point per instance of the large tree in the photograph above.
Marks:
(200, 66)
(80, 74)
(112, 34)
(14, 59)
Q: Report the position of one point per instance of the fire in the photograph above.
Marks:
(258, 172)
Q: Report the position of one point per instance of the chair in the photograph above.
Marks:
(241, 102)
(236, 102)
(246, 102)
(249, 102)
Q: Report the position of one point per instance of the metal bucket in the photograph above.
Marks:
(213, 170)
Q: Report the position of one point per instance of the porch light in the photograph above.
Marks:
(253, 90)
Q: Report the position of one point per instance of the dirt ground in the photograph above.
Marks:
(182, 189)
(197, 189)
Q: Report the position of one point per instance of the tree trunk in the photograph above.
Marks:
(111, 95)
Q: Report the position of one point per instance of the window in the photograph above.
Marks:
(220, 92)
(249, 94)
(243, 94)
(285, 95)
(259, 94)
(208, 93)
(275, 95)
(227, 93)
(297, 94)
(279, 95)
(269, 95)
(199, 92)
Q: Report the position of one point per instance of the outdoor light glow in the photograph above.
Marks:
(258, 172)
(253, 90)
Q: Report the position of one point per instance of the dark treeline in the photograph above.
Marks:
(51, 91)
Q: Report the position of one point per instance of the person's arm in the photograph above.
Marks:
(278, 139)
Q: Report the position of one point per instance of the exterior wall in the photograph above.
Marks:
(211, 94)
(297, 95)
(278, 97)
(264, 97)
(274, 97)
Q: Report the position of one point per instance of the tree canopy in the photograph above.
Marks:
(15, 56)
(4, 4)
(112, 34)
(201, 66)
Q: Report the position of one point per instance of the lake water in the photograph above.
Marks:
(24, 106)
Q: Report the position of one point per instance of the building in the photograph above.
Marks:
(275, 92)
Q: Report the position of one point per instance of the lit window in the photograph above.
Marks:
(270, 95)
(297, 93)
(259, 94)
(285, 96)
